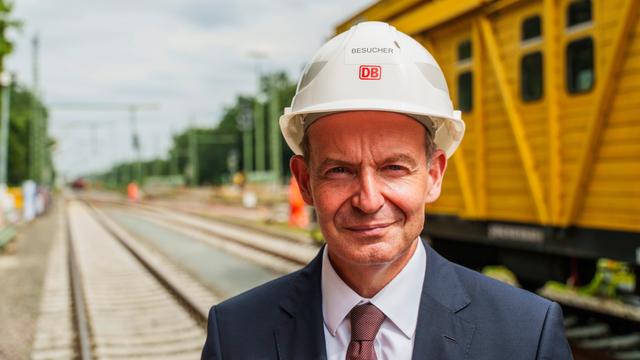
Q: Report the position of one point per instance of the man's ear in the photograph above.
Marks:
(301, 172)
(437, 167)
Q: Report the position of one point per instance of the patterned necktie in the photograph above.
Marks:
(366, 320)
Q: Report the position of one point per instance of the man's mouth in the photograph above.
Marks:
(369, 229)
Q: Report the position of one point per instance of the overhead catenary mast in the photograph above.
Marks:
(131, 108)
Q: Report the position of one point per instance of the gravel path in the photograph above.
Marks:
(22, 269)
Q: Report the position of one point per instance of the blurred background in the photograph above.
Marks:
(142, 169)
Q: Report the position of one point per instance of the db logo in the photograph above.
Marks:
(370, 72)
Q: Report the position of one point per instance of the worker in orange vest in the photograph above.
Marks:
(132, 192)
(297, 214)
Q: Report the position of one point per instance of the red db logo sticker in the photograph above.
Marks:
(369, 72)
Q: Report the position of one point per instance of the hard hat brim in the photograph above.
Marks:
(447, 130)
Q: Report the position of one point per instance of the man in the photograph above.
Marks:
(372, 126)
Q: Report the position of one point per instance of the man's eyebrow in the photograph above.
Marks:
(394, 158)
(333, 162)
(400, 158)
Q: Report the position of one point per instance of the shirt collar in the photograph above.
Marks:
(338, 298)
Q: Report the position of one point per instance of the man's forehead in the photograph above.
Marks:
(372, 115)
(353, 137)
(359, 126)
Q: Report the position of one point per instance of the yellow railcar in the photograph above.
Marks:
(550, 93)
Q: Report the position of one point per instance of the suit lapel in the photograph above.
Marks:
(441, 333)
(300, 333)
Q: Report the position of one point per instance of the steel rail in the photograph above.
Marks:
(81, 324)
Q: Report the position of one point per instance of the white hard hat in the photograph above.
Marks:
(374, 67)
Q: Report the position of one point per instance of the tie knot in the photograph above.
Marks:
(366, 320)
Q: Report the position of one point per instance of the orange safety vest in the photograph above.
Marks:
(132, 191)
(297, 214)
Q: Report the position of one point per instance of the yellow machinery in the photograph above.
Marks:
(550, 93)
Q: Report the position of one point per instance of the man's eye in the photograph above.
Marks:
(394, 167)
(337, 170)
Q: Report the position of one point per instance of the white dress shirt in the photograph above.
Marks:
(399, 301)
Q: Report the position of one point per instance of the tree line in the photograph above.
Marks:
(29, 155)
(29, 147)
(211, 156)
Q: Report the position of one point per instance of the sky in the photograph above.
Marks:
(189, 58)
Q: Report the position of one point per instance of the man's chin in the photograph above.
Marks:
(374, 252)
(382, 252)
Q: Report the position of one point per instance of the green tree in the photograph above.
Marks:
(213, 157)
(213, 149)
(22, 107)
(6, 22)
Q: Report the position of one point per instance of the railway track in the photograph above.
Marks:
(276, 253)
(128, 301)
(596, 337)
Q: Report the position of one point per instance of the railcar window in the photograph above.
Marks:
(580, 71)
(579, 12)
(464, 50)
(531, 28)
(531, 76)
(465, 94)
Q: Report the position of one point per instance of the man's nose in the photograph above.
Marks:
(368, 197)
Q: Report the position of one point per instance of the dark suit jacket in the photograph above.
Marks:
(463, 315)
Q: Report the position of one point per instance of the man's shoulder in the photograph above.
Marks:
(265, 296)
(495, 299)
(526, 323)
(256, 312)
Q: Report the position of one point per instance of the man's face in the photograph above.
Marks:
(369, 180)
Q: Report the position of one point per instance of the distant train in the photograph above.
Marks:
(547, 179)
(79, 184)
